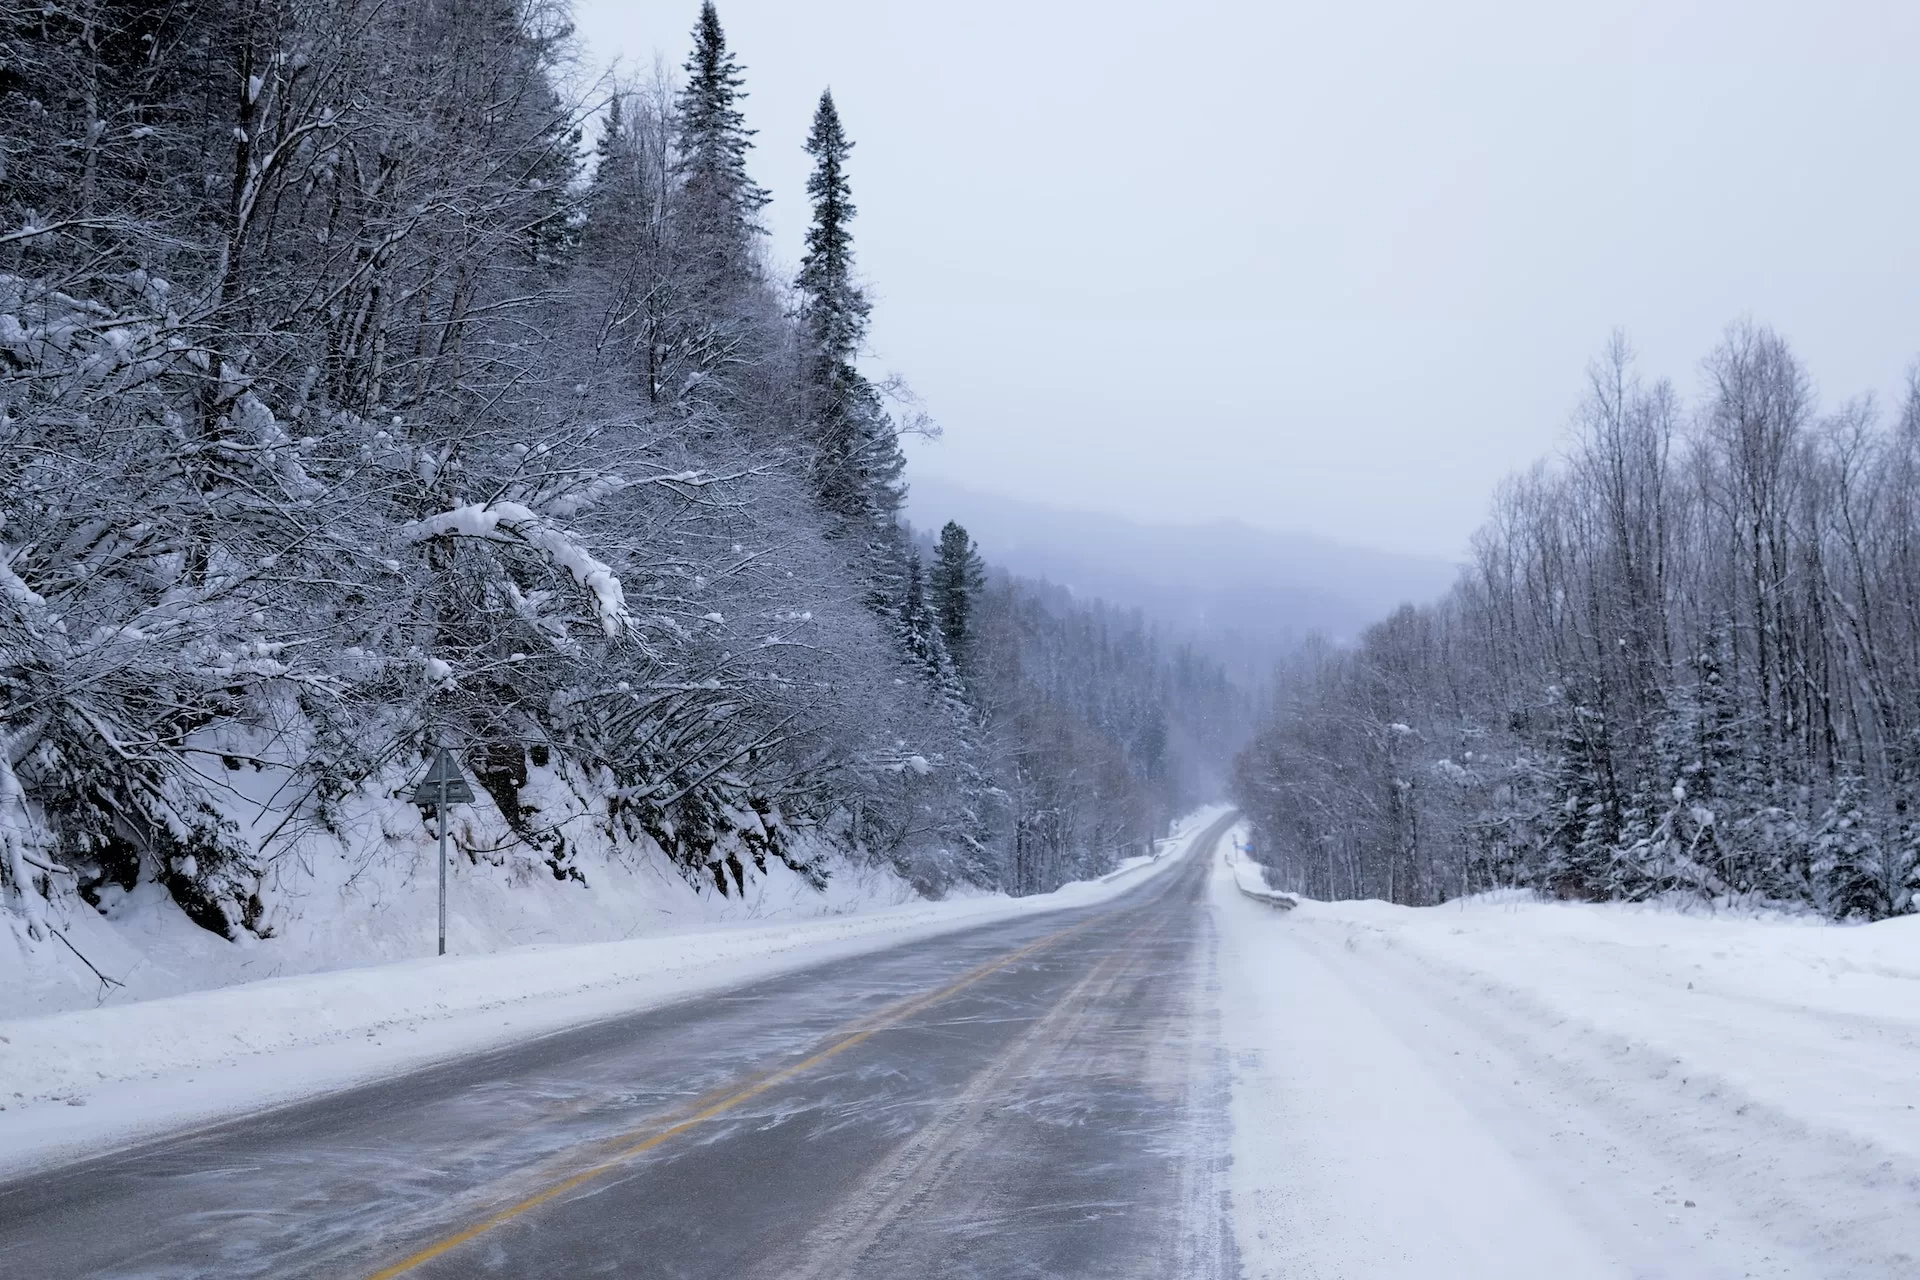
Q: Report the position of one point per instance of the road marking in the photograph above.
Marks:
(889, 1187)
(867, 1028)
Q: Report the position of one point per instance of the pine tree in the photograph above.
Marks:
(857, 459)
(721, 200)
(956, 578)
(834, 309)
(1852, 874)
(919, 629)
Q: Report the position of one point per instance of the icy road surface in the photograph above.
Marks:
(1039, 1097)
(1175, 1082)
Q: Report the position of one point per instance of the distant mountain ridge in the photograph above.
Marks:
(1243, 594)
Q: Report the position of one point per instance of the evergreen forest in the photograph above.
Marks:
(366, 390)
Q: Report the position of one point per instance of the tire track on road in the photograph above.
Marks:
(1127, 1024)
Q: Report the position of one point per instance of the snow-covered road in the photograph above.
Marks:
(1527, 1090)
(1015, 1097)
(73, 1084)
(1156, 1077)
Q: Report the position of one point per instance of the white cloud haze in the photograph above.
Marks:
(1340, 265)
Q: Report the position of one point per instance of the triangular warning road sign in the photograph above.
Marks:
(445, 768)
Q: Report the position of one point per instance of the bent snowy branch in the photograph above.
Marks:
(512, 523)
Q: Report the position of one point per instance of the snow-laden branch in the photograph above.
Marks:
(16, 853)
(510, 522)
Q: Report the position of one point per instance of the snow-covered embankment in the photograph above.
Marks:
(80, 1081)
(1513, 1088)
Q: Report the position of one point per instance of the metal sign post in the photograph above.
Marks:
(441, 814)
(444, 784)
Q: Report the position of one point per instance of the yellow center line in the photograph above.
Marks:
(871, 1026)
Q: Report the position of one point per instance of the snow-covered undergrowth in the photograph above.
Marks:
(362, 889)
(1507, 1087)
(74, 1081)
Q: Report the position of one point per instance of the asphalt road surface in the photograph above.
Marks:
(1038, 1098)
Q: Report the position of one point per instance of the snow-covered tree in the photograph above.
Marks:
(956, 579)
(351, 404)
(721, 199)
(1683, 661)
(857, 461)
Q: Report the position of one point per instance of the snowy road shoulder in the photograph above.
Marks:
(1515, 1089)
(1250, 877)
(74, 1083)
(1818, 1022)
(1350, 1158)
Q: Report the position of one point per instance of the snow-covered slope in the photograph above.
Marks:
(364, 892)
(1512, 1088)
(77, 1080)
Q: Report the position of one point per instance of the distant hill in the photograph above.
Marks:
(1243, 594)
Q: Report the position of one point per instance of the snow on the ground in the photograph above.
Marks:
(85, 1080)
(150, 948)
(1249, 875)
(363, 891)
(1514, 1088)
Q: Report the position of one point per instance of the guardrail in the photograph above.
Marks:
(1272, 897)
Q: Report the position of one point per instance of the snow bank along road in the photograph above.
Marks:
(1171, 1081)
(1036, 1096)
(1524, 1090)
(75, 1083)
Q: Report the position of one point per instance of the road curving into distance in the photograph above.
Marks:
(1038, 1097)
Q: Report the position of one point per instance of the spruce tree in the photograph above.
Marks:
(956, 578)
(834, 309)
(919, 629)
(857, 460)
(916, 621)
(1850, 869)
(614, 197)
(719, 199)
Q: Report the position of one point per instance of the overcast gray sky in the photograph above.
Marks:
(1334, 267)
